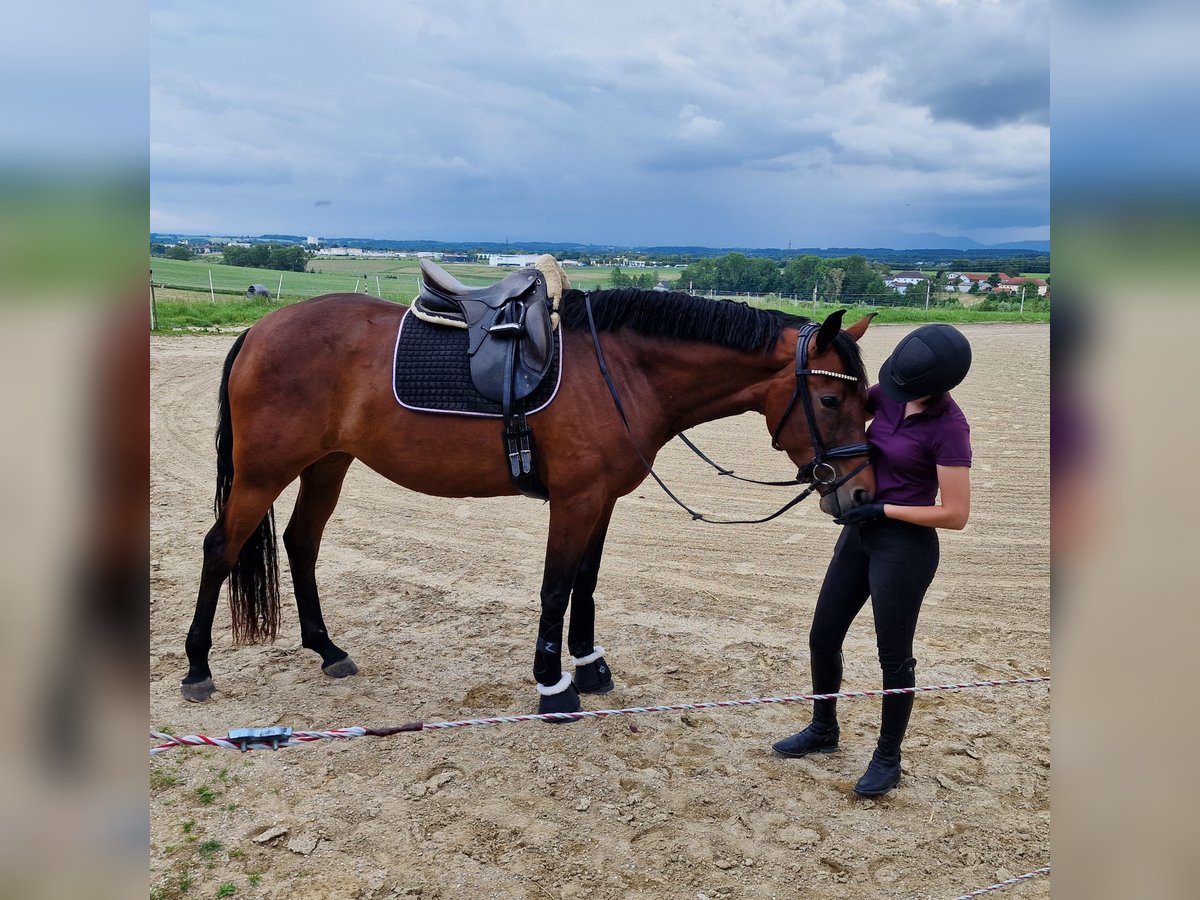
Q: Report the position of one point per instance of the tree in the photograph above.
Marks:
(700, 276)
(835, 277)
(617, 278)
(282, 257)
(994, 279)
(801, 275)
(180, 251)
(861, 282)
(733, 271)
(763, 276)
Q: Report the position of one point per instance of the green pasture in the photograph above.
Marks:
(192, 275)
(179, 309)
(392, 279)
(474, 274)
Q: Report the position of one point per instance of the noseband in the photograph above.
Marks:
(818, 472)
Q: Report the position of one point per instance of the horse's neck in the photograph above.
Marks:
(698, 383)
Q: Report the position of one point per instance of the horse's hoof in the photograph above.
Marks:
(594, 677)
(198, 692)
(566, 701)
(343, 668)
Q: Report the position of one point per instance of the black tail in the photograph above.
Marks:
(254, 581)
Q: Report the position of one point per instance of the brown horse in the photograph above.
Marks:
(308, 389)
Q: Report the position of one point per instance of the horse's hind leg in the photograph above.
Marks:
(592, 675)
(320, 486)
(246, 512)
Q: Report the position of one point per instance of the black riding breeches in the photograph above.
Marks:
(891, 562)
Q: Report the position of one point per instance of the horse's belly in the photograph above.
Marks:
(444, 456)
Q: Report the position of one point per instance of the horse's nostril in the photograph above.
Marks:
(860, 497)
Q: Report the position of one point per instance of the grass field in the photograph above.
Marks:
(179, 309)
(392, 279)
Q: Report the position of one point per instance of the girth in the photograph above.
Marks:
(510, 342)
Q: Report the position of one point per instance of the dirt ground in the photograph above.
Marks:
(688, 805)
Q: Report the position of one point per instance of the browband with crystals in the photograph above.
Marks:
(841, 375)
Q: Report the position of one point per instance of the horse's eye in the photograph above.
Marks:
(829, 402)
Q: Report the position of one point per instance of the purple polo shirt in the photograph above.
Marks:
(906, 452)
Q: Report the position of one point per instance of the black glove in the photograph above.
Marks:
(868, 512)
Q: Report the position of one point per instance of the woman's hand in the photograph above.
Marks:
(868, 512)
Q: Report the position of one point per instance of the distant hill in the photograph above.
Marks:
(1040, 246)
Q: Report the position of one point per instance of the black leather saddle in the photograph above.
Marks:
(508, 324)
(510, 342)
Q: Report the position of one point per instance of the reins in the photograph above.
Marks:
(818, 444)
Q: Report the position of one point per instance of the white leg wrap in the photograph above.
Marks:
(597, 652)
(563, 684)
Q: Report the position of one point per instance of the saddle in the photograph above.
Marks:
(510, 344)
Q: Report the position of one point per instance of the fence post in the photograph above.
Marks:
(153, 305)
(211, 293)
(279, 290)
(928, 290)
(1022, 315)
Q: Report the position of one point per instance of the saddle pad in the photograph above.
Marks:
(433, 373)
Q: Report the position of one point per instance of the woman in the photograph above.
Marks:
(888, 549)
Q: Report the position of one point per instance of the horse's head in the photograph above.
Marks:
(817, 412)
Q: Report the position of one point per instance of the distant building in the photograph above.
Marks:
(902, 281)
(515, 260)
(1009, 285)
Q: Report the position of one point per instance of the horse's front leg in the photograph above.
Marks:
(592, 674)
(572, 522)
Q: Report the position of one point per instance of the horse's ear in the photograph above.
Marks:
(859, 328)
(829, 330)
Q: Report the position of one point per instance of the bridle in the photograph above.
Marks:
(813, 471)
(807, 474)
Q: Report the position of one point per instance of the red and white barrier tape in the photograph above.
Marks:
(1001, 885)
(296, 738)
(303, 737)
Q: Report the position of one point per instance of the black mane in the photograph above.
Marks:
(673, 314)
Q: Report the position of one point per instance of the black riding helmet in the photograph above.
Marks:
(930, 360)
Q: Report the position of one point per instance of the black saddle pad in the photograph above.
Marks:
(433, 373)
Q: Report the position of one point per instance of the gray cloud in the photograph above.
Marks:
(673, 122)
(987, 104)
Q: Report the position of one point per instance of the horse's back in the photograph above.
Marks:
(329, 317)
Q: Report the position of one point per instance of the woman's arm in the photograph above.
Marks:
(954, 483)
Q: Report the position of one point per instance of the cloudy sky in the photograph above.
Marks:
(760, 123)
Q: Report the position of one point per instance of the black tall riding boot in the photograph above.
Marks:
(883, 772)
(821, 736)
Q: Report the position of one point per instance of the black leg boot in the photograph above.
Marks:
(883, 772)
(822, 735)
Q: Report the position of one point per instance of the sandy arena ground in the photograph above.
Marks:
(688, 805)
